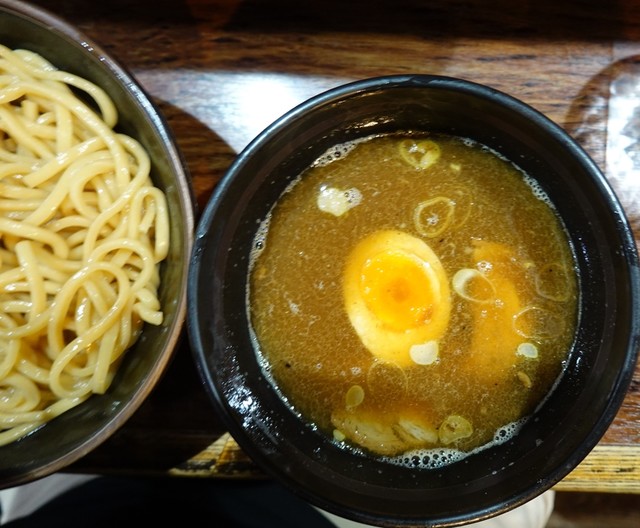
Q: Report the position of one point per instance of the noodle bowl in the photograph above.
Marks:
(82, 232)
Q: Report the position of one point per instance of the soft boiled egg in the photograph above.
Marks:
(397, 297)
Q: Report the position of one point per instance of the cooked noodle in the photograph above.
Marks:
(82, 232)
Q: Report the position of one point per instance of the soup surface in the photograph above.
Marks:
(412, 293)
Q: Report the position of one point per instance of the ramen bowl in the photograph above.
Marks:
(556, 436)
(76, 432)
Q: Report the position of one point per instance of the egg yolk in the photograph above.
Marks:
(396, 294)
(399, 289)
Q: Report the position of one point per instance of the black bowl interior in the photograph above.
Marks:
(65, 439)
(570, 422)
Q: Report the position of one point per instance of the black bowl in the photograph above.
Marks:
(562, 431)
(75, 433)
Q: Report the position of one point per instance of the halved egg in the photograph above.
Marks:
(397, 297)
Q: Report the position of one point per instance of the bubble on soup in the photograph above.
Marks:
(507, 431)
(428, 458)
(537, 191)
(439, 327)
(440, 457)
(259, 240)
(335, 153)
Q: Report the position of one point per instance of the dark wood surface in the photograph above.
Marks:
(221, 71)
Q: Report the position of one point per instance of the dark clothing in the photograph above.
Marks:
(116, 502)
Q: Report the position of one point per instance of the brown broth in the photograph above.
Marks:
(308, 344)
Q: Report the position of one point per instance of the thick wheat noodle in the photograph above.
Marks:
(82, 232)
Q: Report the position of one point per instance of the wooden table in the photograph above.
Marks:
(222, 70)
